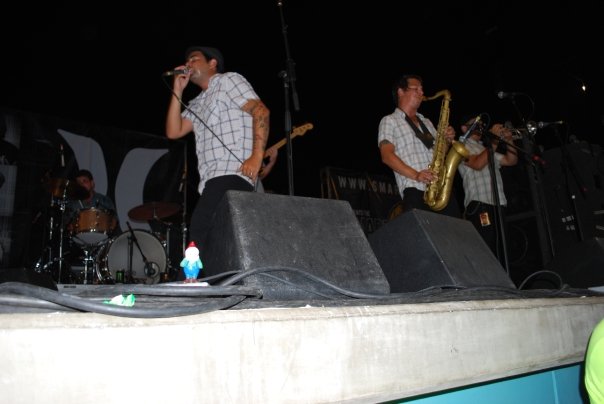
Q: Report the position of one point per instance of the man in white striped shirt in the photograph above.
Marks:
(480, 200)
(231, 127)
(405, 140)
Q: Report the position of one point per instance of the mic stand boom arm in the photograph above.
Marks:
(149, 269)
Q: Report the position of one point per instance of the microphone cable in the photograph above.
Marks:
(202, 121)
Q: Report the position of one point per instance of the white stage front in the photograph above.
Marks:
(361, 353)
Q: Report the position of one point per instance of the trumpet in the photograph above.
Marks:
(519, 133)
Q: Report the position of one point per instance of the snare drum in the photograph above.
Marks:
(92, 226)
(115, 256)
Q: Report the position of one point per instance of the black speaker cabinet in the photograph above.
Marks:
(419, 249)
(582, 264)
(321, 237)
(574, 193)
(27, 275)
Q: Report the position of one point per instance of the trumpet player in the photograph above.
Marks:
(480, 196)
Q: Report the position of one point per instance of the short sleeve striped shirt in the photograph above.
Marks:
(477, 183)
(227, 139)
(395, 129)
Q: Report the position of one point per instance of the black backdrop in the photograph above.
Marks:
(130, 167)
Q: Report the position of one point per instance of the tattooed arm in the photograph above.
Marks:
(260, 126)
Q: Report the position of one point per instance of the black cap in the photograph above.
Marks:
(209, 53)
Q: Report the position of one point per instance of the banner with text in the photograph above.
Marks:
(374, 198)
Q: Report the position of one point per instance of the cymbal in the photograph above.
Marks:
(56, 186)
(60, 187)
(153, 210)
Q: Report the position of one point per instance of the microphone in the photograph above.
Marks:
(470, 129)
(150, 270)
(62, 155)
(175, 72)
(503, 94)
(541, 125)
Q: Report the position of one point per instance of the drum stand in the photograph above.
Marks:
(87, 259)
(51, 233)
(165, 276)
(61, 233)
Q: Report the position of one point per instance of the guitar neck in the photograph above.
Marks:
(300, 130)
(278, 145)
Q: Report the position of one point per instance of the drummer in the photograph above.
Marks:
(85, 197)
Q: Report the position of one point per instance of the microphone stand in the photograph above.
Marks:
(149, 270)
(289, 79)
(499, 222)
(546, 242)
(568, 169)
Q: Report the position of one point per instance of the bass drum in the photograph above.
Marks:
(116, 254)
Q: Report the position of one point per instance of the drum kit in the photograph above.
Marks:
(85, 249)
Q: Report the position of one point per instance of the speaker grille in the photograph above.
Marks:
(419, 249)
(319, 236)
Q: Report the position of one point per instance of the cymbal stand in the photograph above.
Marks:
(164, 276)
(87, 259)
(45, 258)
(62, 204)
(184, 229)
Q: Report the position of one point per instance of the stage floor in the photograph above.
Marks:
(243, 349)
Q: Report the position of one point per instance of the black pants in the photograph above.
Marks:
(214, 190)
(484, 218)
(414, 199)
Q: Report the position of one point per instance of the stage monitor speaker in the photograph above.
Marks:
(321, 237)
(419, 249)
(582, 264)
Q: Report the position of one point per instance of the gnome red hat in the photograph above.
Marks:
(192, 244)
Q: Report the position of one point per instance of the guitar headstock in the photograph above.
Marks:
(300, 130)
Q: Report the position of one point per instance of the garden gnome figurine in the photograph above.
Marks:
(191, 263)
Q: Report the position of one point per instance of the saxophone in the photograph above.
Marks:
(438, 192)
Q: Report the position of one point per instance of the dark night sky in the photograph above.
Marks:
(102, 64)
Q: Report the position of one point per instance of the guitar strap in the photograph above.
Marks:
(422, 134)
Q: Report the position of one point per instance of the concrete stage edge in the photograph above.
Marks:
(289, 355)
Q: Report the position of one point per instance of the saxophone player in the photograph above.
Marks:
(406, 139)
(480, 197)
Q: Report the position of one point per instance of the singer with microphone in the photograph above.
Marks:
(481, 197)
(230, 124)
